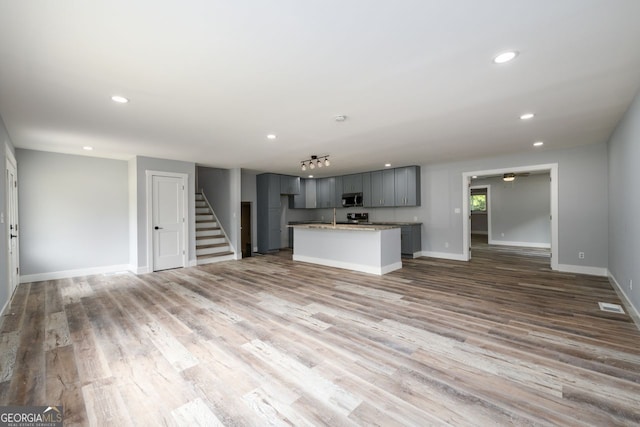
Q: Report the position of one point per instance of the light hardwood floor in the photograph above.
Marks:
(501, 340)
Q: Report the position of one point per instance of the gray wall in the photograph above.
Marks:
(144, 164)
(582, 176)
(519, 209)
(216, 184)
(73, 212)
(4, 279)
(223, 188)
(624, 203)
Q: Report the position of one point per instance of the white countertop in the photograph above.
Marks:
(355, 227)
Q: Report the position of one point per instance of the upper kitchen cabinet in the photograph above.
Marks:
(307, 197)
(407, 186)
(366, 190)
(289, 184)
(352, 183)
(383, 188)
(325, 192)
(338, 192)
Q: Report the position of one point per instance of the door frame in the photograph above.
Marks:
(185, 208)
(552, 168)
(488, 188)
(12, 284)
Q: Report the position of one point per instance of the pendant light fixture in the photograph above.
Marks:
(315, 161)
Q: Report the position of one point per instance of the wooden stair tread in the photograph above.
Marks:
(213, 255)
(212, 245)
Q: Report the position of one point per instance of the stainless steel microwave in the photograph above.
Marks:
(351, 200)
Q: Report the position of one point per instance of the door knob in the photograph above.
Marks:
(157, 228)
(13, 236)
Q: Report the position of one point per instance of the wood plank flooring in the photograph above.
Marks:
(501, 340)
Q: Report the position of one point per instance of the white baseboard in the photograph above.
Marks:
(626, 301)
(54, 275)
(444, 255)
(6, 305)
(350, 266)
(520, 244)
(192, 263)
(583, 269)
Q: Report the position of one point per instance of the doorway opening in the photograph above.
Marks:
(245, 229)
(468, 179)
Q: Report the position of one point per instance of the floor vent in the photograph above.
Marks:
(611, 308)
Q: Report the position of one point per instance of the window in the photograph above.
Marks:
(478, 203)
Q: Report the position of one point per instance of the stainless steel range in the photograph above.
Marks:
(357, 218)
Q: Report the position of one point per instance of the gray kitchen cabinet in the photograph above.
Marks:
(407, 186)
(411, 240)
(289, 184)
(306, 199)
(325, 192)
(366, 190)
(383, 188)
(338, 192)
(268, 210)
(352, 183)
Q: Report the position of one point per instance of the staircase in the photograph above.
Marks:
(211, 243)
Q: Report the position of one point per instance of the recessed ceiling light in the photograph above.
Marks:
(505, 57)
(538, 144)
(341, 118)
(474, 177)
(271, 136)
(87, 148)
(310, 176)
(527, 116)
(119, 99)
(387, 165)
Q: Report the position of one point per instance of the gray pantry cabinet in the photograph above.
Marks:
(269, 188)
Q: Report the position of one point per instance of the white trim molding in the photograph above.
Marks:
(626, 301)
(349, 266)
(65, 274)
(583, 269)
(521, 244)
(552, 168)
(444, 255)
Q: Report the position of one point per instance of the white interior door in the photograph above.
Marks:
(13, 263)
(168, 222)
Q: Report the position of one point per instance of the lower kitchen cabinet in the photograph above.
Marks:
(411, 240)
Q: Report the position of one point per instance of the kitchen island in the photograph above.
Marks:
(371, 249)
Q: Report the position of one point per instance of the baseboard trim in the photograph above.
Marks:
(582, 269)
(626, 301)
(350, 266)
(6, 305)
(444, 255)
(55, 275)
(520, 244)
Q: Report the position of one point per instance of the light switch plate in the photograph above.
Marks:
(1, 217)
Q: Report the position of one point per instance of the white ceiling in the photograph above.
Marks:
(208, 80)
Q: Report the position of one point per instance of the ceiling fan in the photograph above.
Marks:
(509, 177)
